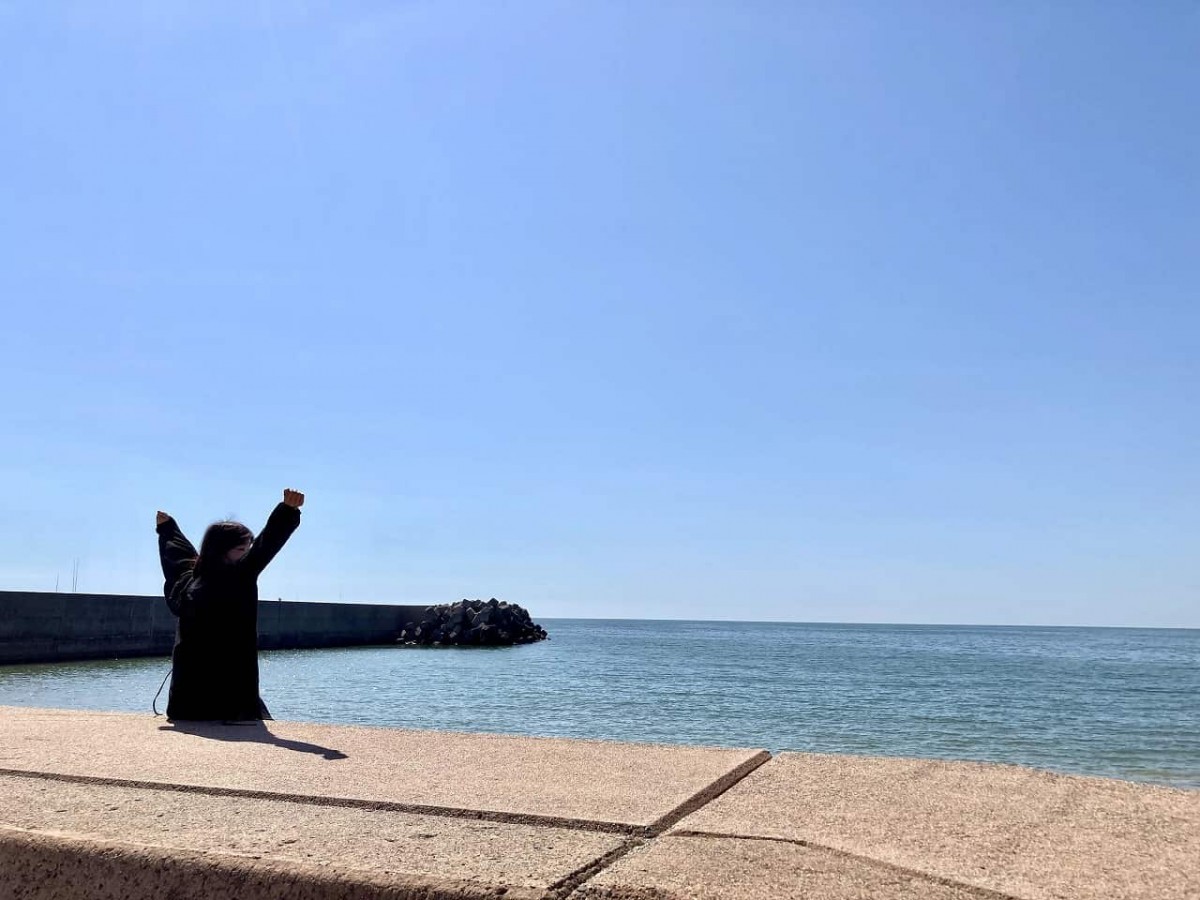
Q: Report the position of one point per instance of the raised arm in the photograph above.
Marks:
(175, 552)
(285, 519)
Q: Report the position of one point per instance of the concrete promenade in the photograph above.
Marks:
(113, 805)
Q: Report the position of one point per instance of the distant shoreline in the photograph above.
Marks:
(874, 624)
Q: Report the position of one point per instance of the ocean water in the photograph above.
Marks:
(1115, 702)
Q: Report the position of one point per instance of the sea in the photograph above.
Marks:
(1116, 702)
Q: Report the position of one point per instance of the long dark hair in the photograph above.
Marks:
(220, 538)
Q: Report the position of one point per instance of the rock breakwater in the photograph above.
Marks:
(473, 623)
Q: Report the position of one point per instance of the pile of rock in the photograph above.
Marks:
(473, 623)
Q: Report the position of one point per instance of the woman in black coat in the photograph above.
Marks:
(215, 595)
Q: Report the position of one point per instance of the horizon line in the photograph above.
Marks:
(728, 621)
(878, 624)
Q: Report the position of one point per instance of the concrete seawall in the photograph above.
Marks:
(55, 627)
(108, 805)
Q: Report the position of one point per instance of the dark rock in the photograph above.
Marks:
(472, 623)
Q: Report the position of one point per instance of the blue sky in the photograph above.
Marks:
(808, 311)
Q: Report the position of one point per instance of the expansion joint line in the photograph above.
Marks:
(634, 836)
(568, 885)
(708, 794)
(977, 890)
(451, 812)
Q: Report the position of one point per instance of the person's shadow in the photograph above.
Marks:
(255, 732)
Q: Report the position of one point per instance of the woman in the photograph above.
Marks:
(215, 595)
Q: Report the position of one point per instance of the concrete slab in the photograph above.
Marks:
(703, 868)
(93, 840)
(583, 783)
(1017, 831)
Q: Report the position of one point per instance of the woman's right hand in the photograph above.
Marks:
(294, 499)
(161, 517)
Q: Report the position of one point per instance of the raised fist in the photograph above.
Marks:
(161, 517)
(294, 499)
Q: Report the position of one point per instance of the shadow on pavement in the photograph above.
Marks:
(255, 732)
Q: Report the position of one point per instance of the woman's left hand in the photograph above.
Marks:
(294, 499)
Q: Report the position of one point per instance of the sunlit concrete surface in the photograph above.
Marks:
(1017, 831)
(623, 786)
(707, 868)
(345, 844)
(101, 805)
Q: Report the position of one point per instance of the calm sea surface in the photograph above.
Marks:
(1116, 702)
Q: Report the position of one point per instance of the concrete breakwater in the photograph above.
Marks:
(55, 627)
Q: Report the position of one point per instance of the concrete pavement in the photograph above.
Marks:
(872, 823)
(119, 805)
(592, 784)
(1010, 829)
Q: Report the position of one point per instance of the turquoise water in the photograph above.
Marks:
(1115, 702)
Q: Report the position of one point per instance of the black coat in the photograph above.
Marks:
(215, 674)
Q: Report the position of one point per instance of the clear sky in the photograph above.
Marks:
(815, 311)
